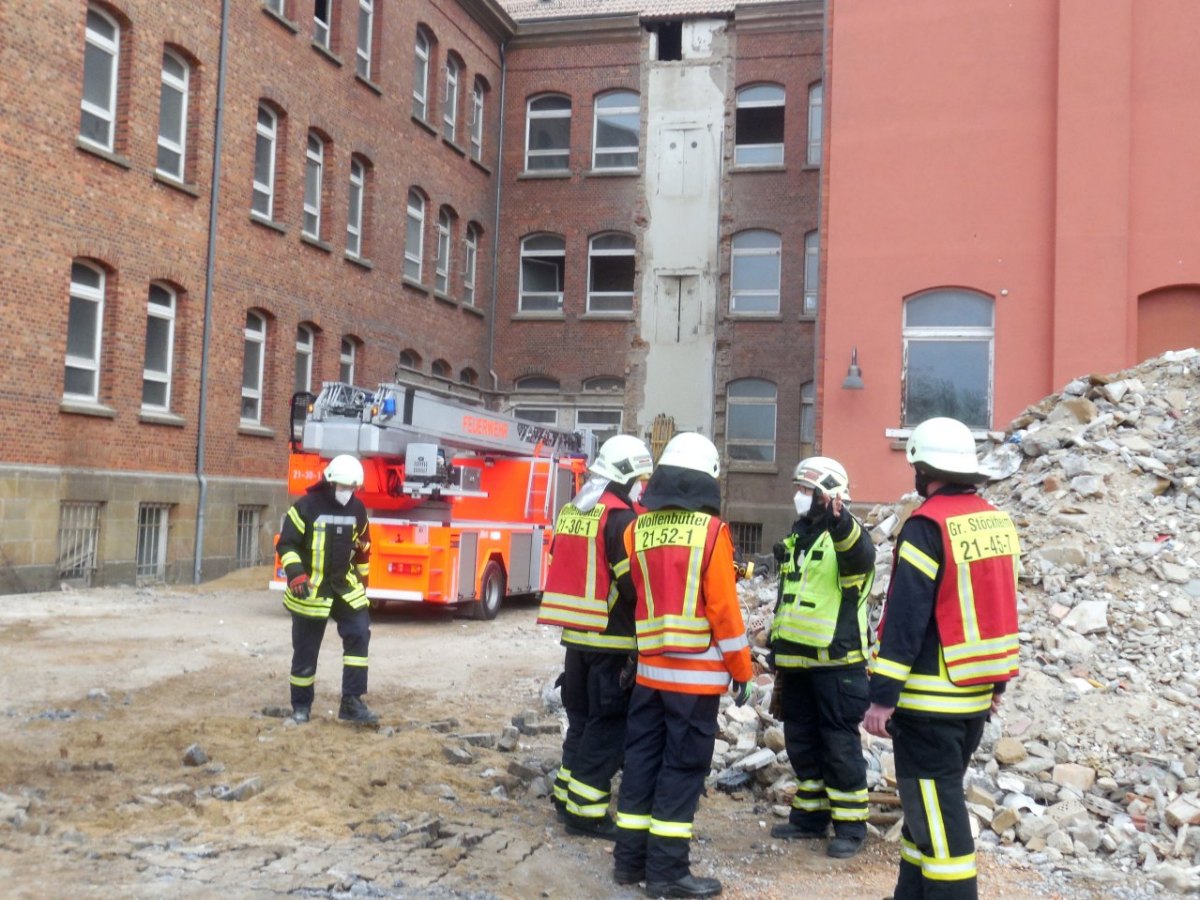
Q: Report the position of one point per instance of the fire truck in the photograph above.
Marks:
(462, 500)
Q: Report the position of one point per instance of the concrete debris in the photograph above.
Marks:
(1092, 763)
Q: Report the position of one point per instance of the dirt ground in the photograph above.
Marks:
(103, 690)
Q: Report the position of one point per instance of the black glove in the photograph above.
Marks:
(628, 676)
(779, 551)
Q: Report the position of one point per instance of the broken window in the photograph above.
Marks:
(750, 420)
(669, 41)
(543, 269)
(610, 274)
(759, 140)
(948, 341)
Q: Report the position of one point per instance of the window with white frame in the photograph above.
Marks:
(152, 542)
(421, 75)
(604, 383)
(276, 6)
(543, 271)
(470, 261)
(758, 138)
(754, 272)
(816, 105)
(750, 420)
(548, 134)
(172, 116)
(85, 326)
(267, 133)
(346, 360)
(539, 415)
(477, 92)
(615, 131)
(101, 58)
(603, 423)
(610, 273)
(414, 236)
(441, 268)
(255, 342)
(366, 27)
(450, 100)
(808, 417)
(323, 23)
(314, 172)
(812, 270)
(354, 214)
(305, 343)
(948, 344)
(160, 348)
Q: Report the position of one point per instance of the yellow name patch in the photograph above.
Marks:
(670, 529)
(580, 524)
(982, 535)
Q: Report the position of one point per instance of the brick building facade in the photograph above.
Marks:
(205, 215)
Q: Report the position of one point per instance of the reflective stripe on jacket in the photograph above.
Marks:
(331, 544)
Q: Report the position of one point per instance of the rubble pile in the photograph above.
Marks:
(1092, 765)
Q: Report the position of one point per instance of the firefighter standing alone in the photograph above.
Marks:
(691, 644)
(818, 645)
(588, 592)
(948, 644)
(324, 547)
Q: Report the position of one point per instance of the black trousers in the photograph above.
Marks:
(822, 710)
(594, 746)
(354, 628)
(937, 852)
(669, 741)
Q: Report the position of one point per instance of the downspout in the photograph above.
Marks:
(496, 228)
(209, 267)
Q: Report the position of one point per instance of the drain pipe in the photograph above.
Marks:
(209, 267)
(491, 358)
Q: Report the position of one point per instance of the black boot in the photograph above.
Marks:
(354, 710)
(301, 714)
(604, 827)
(687, 886)
(789, 832)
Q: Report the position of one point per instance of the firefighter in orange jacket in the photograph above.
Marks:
(589, 594)
(948, 645)
(691, 646)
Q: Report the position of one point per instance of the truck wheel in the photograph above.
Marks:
(491, 591)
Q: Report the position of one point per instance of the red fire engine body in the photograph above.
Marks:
(455, 530)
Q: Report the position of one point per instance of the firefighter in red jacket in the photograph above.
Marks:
(589, 594)
(947, 647)
(691, 646)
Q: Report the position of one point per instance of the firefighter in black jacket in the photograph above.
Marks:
(819, 644)
(324, 547)
(589, 593)
(947, 646)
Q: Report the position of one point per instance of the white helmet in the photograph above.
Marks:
(344, 470)
(947, 447)
(822, 472)
(690, 450)
(623, 459)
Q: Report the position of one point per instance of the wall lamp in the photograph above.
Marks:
(853, 380)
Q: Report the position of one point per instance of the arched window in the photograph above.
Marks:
(948, 343)
(160, 348)
(441, 269)
(253, 360)
(414, 236)
(357, 201)
(440, 368)
(759, 135)
(754, 272)
(548, 134)
(536, 383)
(266, 137)
(470, 262)
(347, 359)
(101, 65)
(468, 376)
(478, 93)
(173, 116)
(410, 359)
(816, 105)
(314, 176)
(605, 383)
(450, 99)
(750, 420)
(812, 270)
(615, 131)
(85, 331)
(610, 273)
(421, 75)
(543, 270)
(305, 345)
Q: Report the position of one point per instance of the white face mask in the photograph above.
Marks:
(635, 491)
(343, 494)
(803, 502)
